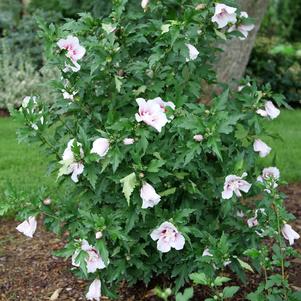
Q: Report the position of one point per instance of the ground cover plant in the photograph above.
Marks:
(155, 172)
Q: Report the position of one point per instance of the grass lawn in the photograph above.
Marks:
(288, 151)
(23, 167)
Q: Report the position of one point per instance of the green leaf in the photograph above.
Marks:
(230, 291)
(245, 265)
(168, 191)
(108, 28)
(103, 251)
(296, 296)
(221, 280)
(241, 132)
(199, 278)
(255, 297)
(118, 83)
(165, 28)
(220, 34)
(91, 174)
(188, 293)
(129, 182)
(154, 165)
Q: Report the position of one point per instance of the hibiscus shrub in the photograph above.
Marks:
(159, 178)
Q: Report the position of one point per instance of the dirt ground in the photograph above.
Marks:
(29, 271)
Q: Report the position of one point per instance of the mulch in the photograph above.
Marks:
(30, 272)
(4, 113)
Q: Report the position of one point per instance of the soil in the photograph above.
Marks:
(30, 272)
(4, 113)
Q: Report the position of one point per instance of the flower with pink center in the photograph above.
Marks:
(224, 15)
(149, 196)
(289, 234)
(269, 174)
(93, 260)
(253, 222)
(167, 237)
(74, 50)
(198, 137)
(244, 29)
(163, 104)
(28, 227)
(269, 111)
(70, 165)
(235, 184)
(94, 292)
(151, 113)
(262, 148)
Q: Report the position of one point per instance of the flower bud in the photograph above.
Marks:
(98, 235)
(128, 141)
(47, 201)
(200, 6)
(198, 137)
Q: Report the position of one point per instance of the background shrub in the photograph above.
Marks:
(20, 77)
(276, 56)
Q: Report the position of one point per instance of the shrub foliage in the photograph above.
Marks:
(148, 159)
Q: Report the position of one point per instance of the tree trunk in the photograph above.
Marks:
(234, 59)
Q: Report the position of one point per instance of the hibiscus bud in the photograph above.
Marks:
(198, 137)
(149, 196)
(128, 141)
(262, 148)
(47, 201)
(144, 4)
(200, 6)
(141, 175)
(98, 235)
(100, 147)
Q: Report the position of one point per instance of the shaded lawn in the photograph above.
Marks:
(22, 167)
(288, 150)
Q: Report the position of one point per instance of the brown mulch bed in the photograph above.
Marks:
(30, 272)
(4, 113)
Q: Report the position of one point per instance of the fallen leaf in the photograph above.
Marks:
(56, 294)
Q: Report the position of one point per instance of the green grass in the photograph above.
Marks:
(287, 151)
(22, 167)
